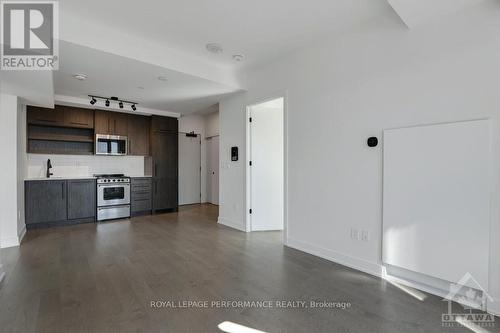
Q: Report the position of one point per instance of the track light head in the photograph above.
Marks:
(107, 102)
(93, 101)
(120, 105)
(133, 107)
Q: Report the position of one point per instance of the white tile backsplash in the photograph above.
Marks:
(83, 166)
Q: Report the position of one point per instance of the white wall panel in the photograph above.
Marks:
(436, 199)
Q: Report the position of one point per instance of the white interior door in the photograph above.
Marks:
(213, 170)
(267, 170)
(189, 169)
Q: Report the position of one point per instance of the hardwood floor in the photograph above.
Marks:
(103, 278)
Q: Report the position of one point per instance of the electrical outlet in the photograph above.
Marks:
(354, 234)
(365, 236)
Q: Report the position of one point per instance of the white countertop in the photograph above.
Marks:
(76, 177)
(60, 178)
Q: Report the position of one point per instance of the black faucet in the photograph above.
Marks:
(49, 166)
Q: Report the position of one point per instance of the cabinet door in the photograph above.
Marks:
(164, 124)
(118, 123)
(165, 165)
(44, 116)
(138, 135)
(101, 122)
(78, 117)
(45, 201)
(81, 199)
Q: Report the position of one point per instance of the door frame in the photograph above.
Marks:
(198, 136)
(248, 217)
(209, 175)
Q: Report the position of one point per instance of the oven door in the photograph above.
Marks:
(113, 194)
(111, 145)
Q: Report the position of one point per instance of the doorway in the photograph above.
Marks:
(189, 168)
(213, 170)
(266, 167)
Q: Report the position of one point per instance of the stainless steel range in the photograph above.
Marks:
(113, 197)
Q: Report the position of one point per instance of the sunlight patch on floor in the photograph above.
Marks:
(230, 327)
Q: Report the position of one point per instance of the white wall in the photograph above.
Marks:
(84, 165)
(22, 167)
(343, 91)
(232, 122)
(212, 124)
(8, 176)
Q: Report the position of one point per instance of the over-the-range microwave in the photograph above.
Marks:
(111, 145)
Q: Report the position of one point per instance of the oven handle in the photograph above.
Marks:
(113, 185)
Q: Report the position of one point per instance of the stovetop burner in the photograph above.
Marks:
(113, 175)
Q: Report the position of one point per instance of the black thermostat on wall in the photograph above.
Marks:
(372, 142)
(234, 154)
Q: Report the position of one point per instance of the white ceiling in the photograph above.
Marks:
(113, 75)
(415, 12)
(123, 44)
(262, 30)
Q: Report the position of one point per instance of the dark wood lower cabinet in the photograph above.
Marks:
(59, 202)
(141, 196)
(81, 199)
(45, 201)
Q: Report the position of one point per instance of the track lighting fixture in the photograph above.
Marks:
(113, 99)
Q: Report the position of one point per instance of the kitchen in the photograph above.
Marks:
(139, 154)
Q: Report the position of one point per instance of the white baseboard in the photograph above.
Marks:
(337, 257)
(494, 307)
(232, 224)
(9, 242)
(13, 241)
(22, 233)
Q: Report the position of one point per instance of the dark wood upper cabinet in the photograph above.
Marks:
(164, 124)
(111, 123)
(77, 117)
(138, 135)
(119, 123)
(43, 116)
(101, 122)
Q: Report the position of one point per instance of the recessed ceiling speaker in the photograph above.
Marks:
(372, 142)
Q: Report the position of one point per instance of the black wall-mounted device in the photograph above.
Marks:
(372, 142)
(234, 154)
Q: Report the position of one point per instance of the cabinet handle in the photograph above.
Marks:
(62, 190)
(77, 123)
(46, 120)
(156, 169)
